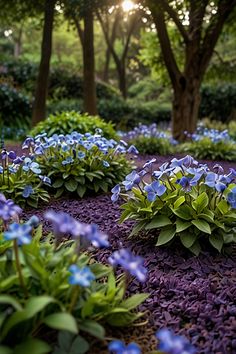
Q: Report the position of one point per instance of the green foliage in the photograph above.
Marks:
(152, 145)
(210, 150)
(41, 302)
(67, 122)
(194, 214)
(145, 90)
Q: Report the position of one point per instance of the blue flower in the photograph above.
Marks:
(164, 170)
(1, 169)
(105, 163)
(172, 344)
(97, 238)
(80, 276)
(154, 189)
(29, 165)
(132, 264)
(28, 190)
(63, 224)
(116, 193)
(118, 347)
(8, 209)
(45, 179)
(67, 161)
(33, 221)
(21, 233)
(132, 150)
(130, 180)
(186, 161)
(81, 154)
(231, 198)
(149, 163)
(213, 181)
(28, 143)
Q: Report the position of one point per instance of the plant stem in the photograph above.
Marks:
(74, 297)
(18, 267)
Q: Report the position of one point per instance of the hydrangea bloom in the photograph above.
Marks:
(8, 209)
(172, 344)
(21, 233)
(132, 264)
(118, 347)
(80, 276)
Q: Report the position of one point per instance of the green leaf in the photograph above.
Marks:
(79, 346)
(93, 328)
(58, 183)
(71, 185)
(32, 345)
(179, 201)
(5, 350)
(158, 221)
(138, 227)
(166, 235)
(59, 192)
(195, 248)
(201, 202)
(183, 212)
(61, 321)
(81, 190)
(202, 225)
(182, 225)
(188, 239)
(134, 301)
(10, 300)
(223, 206)
(216, 241)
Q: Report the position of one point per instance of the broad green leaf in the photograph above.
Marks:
(71, 185)
(32, 346)
(216, 241)
(183, 212)
(158, 221)
(166, 235)
(188, 239)
(134, 301)
(182, 225)
(93, 328)
(223, 207)
(179, 202)
(61, 321)
(202, 225)
(79, 346)
(10, 300)
(195, 248)
(201, 202)
(138, 227)
(58, 183)
(81, 190)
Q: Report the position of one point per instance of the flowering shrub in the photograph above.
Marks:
(151, 140)
(80, 163)
(68, 122)
(21, 179)
(183, 200)
(211, 144)
(48, 282)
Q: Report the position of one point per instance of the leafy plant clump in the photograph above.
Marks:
(184, 201)
(78, 163)
(68, 122)
(211, 144)
(49, 285)
(21, 179)
(151, 140)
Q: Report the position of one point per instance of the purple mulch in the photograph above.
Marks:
(193, 295)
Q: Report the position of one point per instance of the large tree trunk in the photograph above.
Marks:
(39, 107)
(90, 104)
(185, 110)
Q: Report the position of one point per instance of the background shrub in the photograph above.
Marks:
(67, 122)
(152, 145)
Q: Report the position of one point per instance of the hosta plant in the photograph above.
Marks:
(21, 179)
(50, 284)
(67, 122)
(78, 163)
(182, 200)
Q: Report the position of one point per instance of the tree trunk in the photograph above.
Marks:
(39, 107)
(185, 110)
(106, 66)
(90, 104)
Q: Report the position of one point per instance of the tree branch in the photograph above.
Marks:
(79, 30)
(130, 32)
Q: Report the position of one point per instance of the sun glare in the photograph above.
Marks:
(127, 5)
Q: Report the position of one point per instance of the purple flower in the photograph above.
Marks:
(81, 276)
(213, 181)
(186, 161)
(28, 143)
(45, 179)
(172, 344)
(164, 170)
(154, 190)
(132, 264)
(4, 154)
(97, 238)
(8, 209)
(132, 150)
(130, 180)
(29, 165)
(149, 163)
(28, 190)
(231, 198)
(21, 233)
(33, 221)
(116, 193)
(118, 347)
(63, 224)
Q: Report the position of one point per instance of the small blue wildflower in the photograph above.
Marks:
(63, 224)
(154, 190)
(81, 154)
(130, 180)
(19, 232)
(80, 276)
(132, 264)
(67, 161)
(116, 193)
(173, 344)
(29, 165)
(8, 209)
(28, 190)
(33, 221)
(231, 198)
(213, 181)
(118, 347)
(132, 150)
(97, 238)
(149, 163)
(1, 169)
(45, 180)
(28, 143)
(105, 163)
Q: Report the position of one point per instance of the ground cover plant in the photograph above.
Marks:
(68, 122)
(80, 163)
(53, 283)
(149, 139)
(21, 179)
(181, 200)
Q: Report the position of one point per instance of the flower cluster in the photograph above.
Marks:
(182, 198)
(148, 131)
(213, 134)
